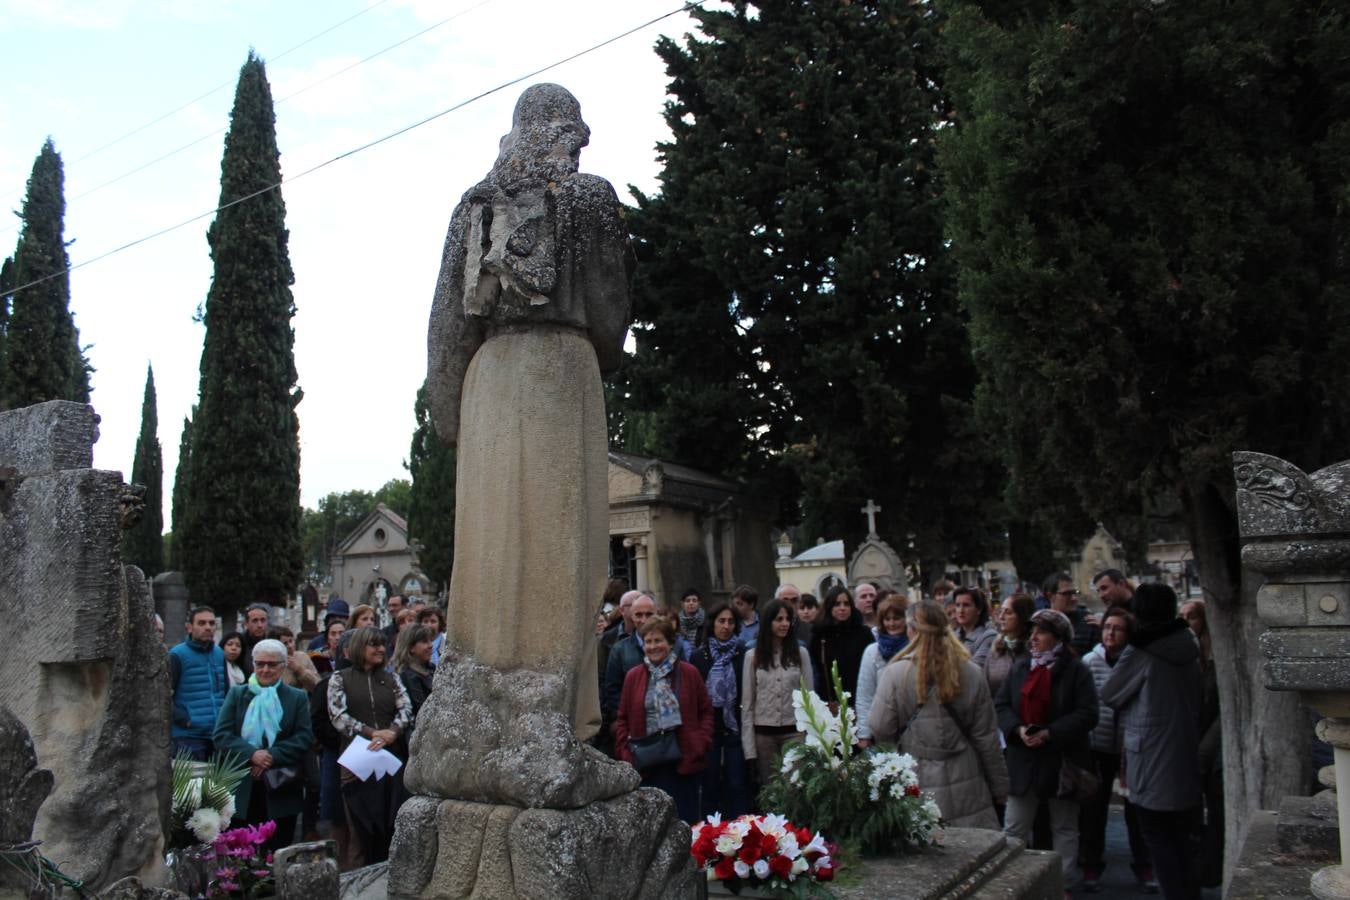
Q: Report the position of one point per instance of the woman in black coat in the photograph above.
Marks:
(1047, 709)
(840, 637)
(720, 660)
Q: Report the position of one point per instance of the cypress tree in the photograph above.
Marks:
(797, 323)
(143, 545)
(1147, 206)
(431, 508)
(6, 286)
(241, 542)
(182, 475)
(43, 358)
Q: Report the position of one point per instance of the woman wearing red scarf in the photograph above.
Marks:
(1047, 709)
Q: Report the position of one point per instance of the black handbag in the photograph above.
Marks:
(1076, 782)
(655, 749)
(281, 777)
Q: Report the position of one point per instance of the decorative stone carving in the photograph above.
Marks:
(80, 661)
(1296, 533)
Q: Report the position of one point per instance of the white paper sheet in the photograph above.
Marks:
(364, 762)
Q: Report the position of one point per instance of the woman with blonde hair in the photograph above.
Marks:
(935, 702)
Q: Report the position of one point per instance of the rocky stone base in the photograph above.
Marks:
(499, 737)
(632, 846)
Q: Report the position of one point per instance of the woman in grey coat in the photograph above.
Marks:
(1155, 691)
(936, 703)
(971, 611)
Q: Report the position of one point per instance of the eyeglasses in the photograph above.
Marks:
(263, 664)
(1069, 593)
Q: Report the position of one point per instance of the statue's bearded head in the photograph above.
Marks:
(546, 136)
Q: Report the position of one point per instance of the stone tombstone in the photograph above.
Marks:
(531, 306)
(80, 662)
(172, 602)
(1296, 533)
(875, 560)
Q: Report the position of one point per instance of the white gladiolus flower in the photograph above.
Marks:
(227, 813)
(715, 818)
(799, 865)
(817, 845)
(773, 824)
(787, 846)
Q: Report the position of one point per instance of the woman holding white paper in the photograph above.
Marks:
(366, 702)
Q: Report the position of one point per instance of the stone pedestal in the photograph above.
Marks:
(1296, 533)
(631, 846)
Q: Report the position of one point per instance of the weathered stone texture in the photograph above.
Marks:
(80, 661)
(48, 437)
(491, 737)
(631, 847)
(307, 871)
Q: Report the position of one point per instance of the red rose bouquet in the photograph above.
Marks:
(765, 852)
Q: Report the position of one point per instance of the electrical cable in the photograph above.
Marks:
(223, 128)
(363, 147)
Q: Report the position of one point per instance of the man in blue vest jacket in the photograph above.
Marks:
(197, 677)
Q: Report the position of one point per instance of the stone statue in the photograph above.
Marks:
(531, 307)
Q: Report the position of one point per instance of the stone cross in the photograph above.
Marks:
(871, 510)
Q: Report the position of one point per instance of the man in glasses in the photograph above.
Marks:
(1063, 597)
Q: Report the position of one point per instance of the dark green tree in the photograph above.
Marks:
(43, 358)
(431, 503)
(6, 287)
(797, 323)
(143, 544)
(182, 474)
(1148, 210)
(241, 541)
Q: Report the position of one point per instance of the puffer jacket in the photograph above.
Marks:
(1155, 690)
(1105, 737)
(959, 761)
(1073, 715)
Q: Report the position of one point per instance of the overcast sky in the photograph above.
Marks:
(365, 232)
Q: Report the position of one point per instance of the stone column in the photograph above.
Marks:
(639, 544)
(1296, 532)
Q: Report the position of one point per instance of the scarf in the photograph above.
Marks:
(263, 718)
(661, 702)
(689, 625)
(890, 644)
(1010, 644)
(1036, 689)
(722, 680)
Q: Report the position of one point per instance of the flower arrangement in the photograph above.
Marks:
(766, 852)
(868, 800)
(203, 797)
(244, 869)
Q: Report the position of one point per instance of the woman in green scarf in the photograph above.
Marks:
(267, 723)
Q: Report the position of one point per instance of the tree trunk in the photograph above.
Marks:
(1265, 733)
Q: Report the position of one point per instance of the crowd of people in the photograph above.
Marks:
(290, 712)
(1030, 714)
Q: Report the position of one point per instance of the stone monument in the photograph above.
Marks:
(531, 307)
(80, 662)
(1296, 533)
(874, 560)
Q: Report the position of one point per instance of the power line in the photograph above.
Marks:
(177, 109)
(366, 146)
(222, 129)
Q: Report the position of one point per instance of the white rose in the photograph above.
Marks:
(761, 868)
(741, 869)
